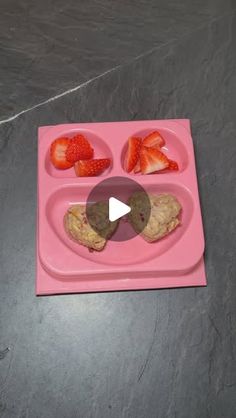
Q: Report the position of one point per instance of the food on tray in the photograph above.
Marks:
(132, 155)
(173, 165)
(90, 226)
(58, 153)
(88, 168)
(146, 156)
(152, 159)
(78, 228)
(154, 139)
(163, 218)
(77, 151)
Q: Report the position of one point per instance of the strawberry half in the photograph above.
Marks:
(152, 159)
(154, 139)
(58, 153)
(91, 167)
(173, 165)
(79, 149)
(132, 155)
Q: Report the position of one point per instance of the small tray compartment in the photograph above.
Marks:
(174, 148)
(134, 251)
(65, 266)
(100, 146)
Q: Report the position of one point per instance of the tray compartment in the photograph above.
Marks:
(132, 252)
(100, 146)
(174, 148)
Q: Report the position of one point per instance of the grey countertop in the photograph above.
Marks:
(145, 354)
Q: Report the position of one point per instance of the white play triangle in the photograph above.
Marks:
(117, 209)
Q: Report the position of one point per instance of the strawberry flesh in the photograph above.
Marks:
(132, 155)
(137, 167)
(58, 153)
(173, 165)
(152, 159)
(154, 139)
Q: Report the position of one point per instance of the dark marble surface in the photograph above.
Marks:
(47, 46)
(149, 354)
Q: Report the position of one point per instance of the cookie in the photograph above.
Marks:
(93, 234)
(163, 218)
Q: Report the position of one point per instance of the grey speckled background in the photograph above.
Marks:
(149, 354)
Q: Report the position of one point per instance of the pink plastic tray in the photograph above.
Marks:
(63, 266)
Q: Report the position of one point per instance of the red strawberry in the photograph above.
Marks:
(58, 153)
(91, 167)
(152, 159)
(154, 139)
(79, 149)
(173, 165)
(132, 155)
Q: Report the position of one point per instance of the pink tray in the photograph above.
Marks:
(63, 266)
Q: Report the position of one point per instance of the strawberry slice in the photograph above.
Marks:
(58, 153)
(154, 139)
(132, 155)
(173, 165)
(88, 168)
(152, 159)
(79, 149)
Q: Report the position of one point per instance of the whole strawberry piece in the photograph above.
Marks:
(79, 149)
(58, 151)
(91, 167)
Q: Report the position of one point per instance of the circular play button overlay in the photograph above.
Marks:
(118, 209)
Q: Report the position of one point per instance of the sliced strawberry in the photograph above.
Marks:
(173, 165)
(58, 153)
(132, 155)
(79, 149)
(91, 167)
(152, 159)
(154, 139)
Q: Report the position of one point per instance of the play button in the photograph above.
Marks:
(108, 208)
(117, 209)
